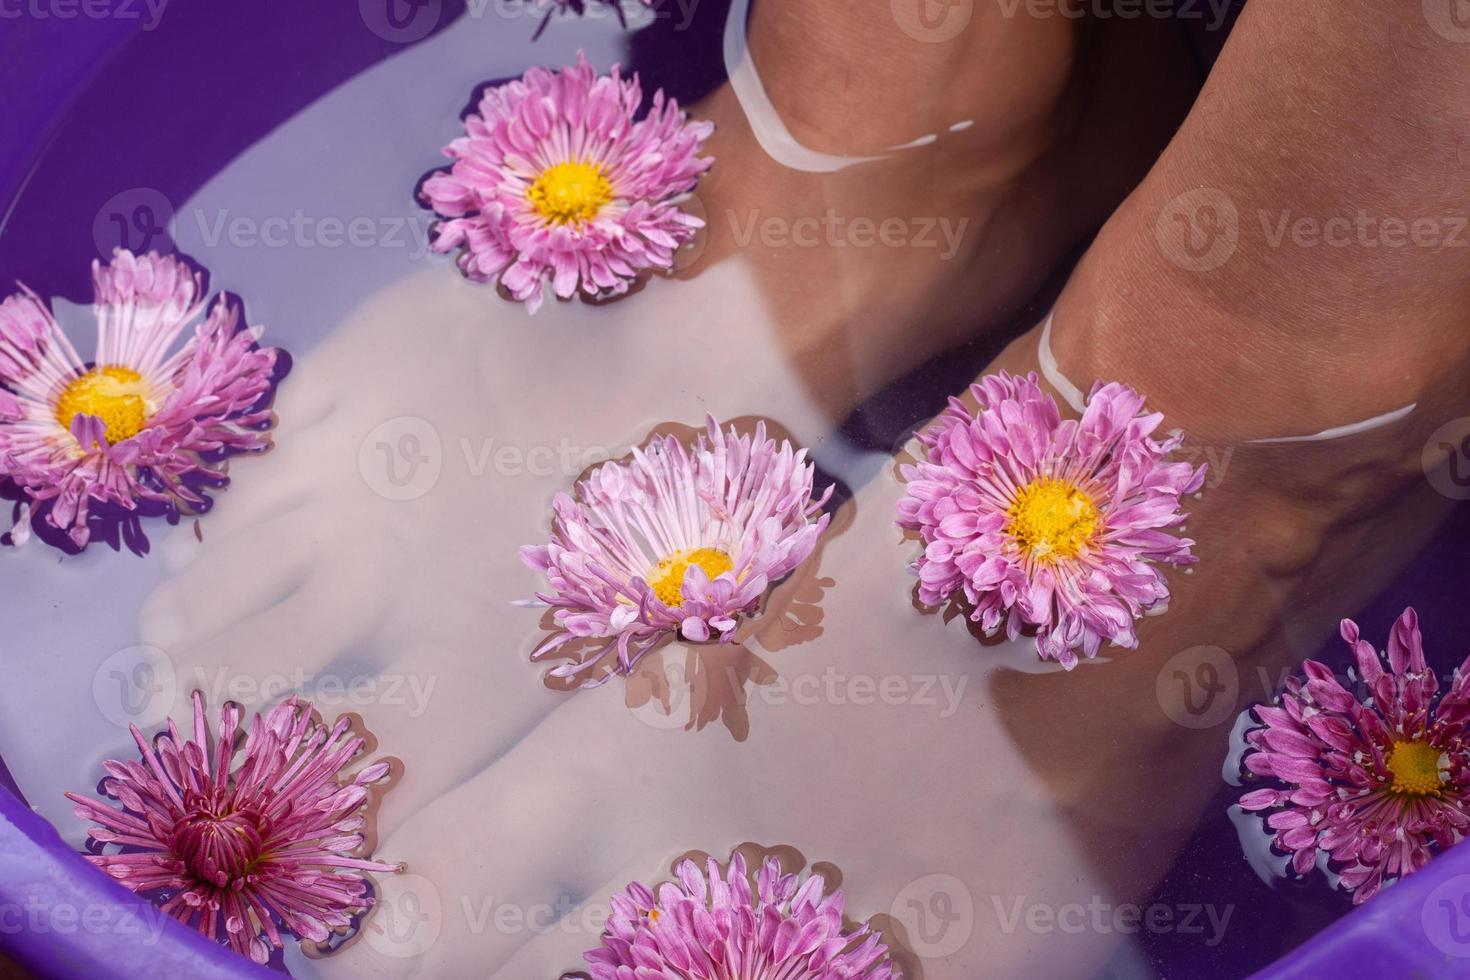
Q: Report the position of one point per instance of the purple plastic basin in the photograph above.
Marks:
(61, 918)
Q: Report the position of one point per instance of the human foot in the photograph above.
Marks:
(895, 216)
(1312, 374)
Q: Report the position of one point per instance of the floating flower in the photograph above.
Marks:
(675, 541)
(709, 927)
(556, 186)
(139, 424)
(237, 849)
(1057, 525)
(1378, 785)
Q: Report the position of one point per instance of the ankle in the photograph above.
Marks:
(1189, 340)
(999, 79)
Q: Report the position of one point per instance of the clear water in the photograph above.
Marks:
(1003, 816)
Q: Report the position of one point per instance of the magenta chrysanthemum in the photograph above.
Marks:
(1378, 785)
(136, 425)
(1045, 523)
(675, 541)
(237, 849)
(709, 927)
(557, 186)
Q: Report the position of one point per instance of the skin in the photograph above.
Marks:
(1049, 151)
(1081, 785)
(1324, 135)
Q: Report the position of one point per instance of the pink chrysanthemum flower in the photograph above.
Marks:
(1048, 523)
(557, 186)
(709, 927)
(238, 849)
(139, 424)
(1378, 785)
(675, 541)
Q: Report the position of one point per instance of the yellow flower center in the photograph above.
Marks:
(667, 580)
(570, 193)
(116, 395)
(1415, 768)
(1052, 519)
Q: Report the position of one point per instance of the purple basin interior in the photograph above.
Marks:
(77, 922)
(256, 64)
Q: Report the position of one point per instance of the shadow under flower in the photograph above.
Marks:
(714, 682)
